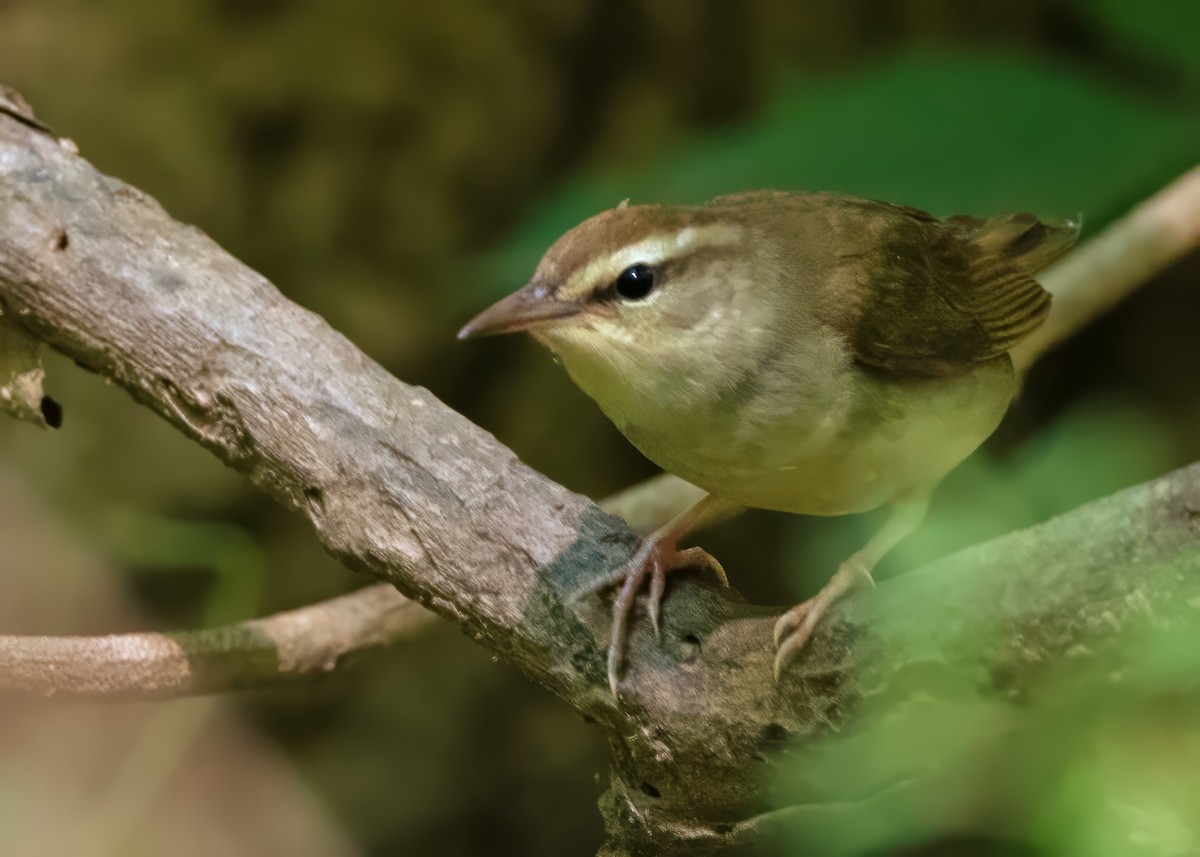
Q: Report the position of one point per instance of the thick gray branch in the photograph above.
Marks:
(398, 485)
(393, 481)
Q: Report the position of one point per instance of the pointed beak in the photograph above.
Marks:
(523, 309)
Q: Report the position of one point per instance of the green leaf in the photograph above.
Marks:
(948, 133)
(1165, 30)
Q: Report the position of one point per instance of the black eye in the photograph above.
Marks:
(635, 282)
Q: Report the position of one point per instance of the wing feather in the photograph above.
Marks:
(940, 296)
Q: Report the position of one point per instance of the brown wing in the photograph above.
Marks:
(939, 296)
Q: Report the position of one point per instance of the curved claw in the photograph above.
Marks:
(793, 631)
(701, 559)
(635, 574)
(795, 628)
(656, 560)
(658, 585)
(789, 622)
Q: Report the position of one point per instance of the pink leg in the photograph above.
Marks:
(655, 556)
(796, 626)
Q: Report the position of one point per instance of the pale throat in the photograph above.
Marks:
(641, 379)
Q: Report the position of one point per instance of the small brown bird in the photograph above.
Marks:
(807, 353)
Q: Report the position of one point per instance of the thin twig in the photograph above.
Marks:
(298, 644)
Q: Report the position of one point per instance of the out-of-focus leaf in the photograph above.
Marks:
(1163, 29)
(1095, 765)
(983, 135)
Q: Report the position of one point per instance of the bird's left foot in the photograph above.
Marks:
(796, 626)
(652, 559)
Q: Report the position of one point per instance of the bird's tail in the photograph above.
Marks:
(1025, 241)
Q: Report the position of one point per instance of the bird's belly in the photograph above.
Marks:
(893, 438)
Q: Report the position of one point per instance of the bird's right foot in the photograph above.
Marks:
(653, 559)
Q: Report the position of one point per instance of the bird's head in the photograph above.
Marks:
(641, 297)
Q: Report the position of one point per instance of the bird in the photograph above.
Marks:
(804, 352)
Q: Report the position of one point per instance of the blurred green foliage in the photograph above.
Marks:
(397, 166)
(1095, 763)
(949, 133)
(1165, 29)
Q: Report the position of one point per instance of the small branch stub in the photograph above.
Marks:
(21, 376)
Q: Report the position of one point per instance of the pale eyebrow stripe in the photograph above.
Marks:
(653, 250)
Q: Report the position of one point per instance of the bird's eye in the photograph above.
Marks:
(635, 282)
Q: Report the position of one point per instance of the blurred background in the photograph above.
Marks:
(397, 167)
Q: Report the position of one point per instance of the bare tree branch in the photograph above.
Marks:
(397, 485)
(288, 646)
